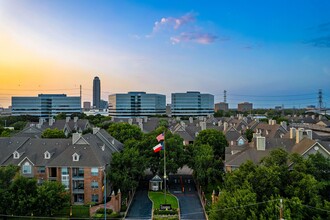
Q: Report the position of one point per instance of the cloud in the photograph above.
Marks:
(324, 27)
(323, 42)
(173, 23)
(201, 38)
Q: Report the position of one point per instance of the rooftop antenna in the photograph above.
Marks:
(320, 100)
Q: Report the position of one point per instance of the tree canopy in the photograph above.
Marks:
(53, 133)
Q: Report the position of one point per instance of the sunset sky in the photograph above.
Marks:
(266, 52)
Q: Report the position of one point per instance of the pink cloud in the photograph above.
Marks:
(175, 23)
(201, 38)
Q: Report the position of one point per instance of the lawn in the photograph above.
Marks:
(158, 198)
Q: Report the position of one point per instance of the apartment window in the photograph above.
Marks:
(26, 168)
(95, 185)
(95, 198)
(240, 142)
(41, 169)
(65, 171)
(95, 171)
(16, 155)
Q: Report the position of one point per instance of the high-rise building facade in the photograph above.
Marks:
(192, 104)
(221, 106)
(244, 107)
(96, 92)
(45, 105)
(136, 104)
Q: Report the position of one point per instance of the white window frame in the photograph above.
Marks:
(16, 155)
(96, 186)
(75, 157)
(94, 171)
(47, 155)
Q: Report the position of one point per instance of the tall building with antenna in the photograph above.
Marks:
(96, 92)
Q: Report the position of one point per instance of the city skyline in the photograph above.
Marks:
(267, 53)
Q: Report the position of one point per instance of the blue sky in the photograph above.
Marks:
(266, 52)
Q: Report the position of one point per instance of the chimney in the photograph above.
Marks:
(225, 126)
(145, 119)
(320, 117)
(270, 121)
(273, 122)
(313, 117)
(51, 121)
(219, 123)
(299, 135)
(75, 119)
(284, 125)
(130, 121)
(261, 143)
(309, 134)
(141, 126)
(95, 130)
(240, 116)
(182, 123)
(203, 125)
(245, 119)
(292, 133)
(75, 137)
(255, 135)
(191, 120)
(67, 119)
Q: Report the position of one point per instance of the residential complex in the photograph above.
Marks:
(192, 104)
(78, 163)
(136, 104)
(46, 105)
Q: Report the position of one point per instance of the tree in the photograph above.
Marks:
(249, 134)
(126, 168)
(216, 139)
(53, 133)
(7, 175)
(51, 197)
(124, 131)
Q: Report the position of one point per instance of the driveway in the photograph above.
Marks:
(184, 188)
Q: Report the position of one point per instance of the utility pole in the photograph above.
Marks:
(320, 100)
(225, 96)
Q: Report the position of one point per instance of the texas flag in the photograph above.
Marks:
(158, 147)
(160, 137)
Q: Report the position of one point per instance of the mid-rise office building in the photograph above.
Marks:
(136, 104)
(221, 106)
(96, 92)
(46, 105)
(192, 104)
(244, 107)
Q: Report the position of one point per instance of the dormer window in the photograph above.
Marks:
(240, 142)
(16, 155)
(75, 157)
(47, 155)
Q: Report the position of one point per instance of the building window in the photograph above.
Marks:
(65, 171)
(16, 155)
(95, 198)
(47, 155)
(240, 142)
(95, 185)
(26, 168)
(41, 169)
(75, 157)
(95, 171)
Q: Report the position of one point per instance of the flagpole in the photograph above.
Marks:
(164, 169)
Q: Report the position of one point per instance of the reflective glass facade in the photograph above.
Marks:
(46, 105)
(192, 104)
(136, 104)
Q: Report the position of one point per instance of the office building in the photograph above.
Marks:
(46, 105)
(136, 104)
(221, 106)
(244, 107)
(87, 106)
(96, 92)
(192, 104)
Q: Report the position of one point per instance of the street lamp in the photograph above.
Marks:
(105, 191)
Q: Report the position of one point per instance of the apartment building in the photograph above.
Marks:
(78, 163)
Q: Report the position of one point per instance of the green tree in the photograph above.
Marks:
(53, 133)
(51, 197)
(216, 139)
(124, 131)
(126, 168)
(7, 175)
(249, 134)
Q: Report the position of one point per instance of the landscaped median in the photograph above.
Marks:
(157, 199)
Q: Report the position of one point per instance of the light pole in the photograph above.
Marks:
(105, 191)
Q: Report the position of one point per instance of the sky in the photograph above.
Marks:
(269, 53)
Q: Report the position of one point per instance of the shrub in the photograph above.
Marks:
(101, 211)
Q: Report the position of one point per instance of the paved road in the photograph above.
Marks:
(184, 189)
(141, 206)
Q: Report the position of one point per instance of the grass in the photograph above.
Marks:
(158, 198)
